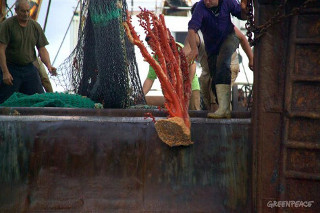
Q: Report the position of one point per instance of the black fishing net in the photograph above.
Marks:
(103, 65)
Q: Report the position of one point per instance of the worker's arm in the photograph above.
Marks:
(244, 9)
(6, 76)
(186, 47)
(192, 71)
(45, 58)
(245, 46)
(147, 84)
(192, 38)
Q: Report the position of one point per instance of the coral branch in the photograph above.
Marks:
(171, 67)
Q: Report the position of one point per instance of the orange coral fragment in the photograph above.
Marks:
(172, 69)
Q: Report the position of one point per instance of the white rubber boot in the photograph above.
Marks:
(224, 98)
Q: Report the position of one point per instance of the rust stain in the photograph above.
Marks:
(300, 101)
(316, 28)
(301, 160)
(312, 55)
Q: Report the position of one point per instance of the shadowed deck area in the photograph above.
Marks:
(112, 160)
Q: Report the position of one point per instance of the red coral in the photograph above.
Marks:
(149, 115)
(171, 65)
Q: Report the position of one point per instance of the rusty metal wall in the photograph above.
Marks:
(286, 114)
(79, 163)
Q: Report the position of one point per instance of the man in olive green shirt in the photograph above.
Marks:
(19, 35)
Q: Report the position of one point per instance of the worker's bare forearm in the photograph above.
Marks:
(193, 54)
(6, 76)
(44, 55)
(3, 59)
(192, 71)
(3, 65)
(244, 43)
(192, 39)
(45, 58)
(247, 49)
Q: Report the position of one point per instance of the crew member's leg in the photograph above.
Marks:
(212, 63)
(205, 80)
(222, 76)
(195, 100)
(31, 82)
(43, 75)
(234, 66)
(5, 90)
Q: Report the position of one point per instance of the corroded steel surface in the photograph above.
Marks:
(286, 114)
(56, 111)
(105, 164)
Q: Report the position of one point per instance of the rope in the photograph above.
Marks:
(47, 14)
(9, 10)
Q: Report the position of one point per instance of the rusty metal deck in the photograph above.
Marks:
(105, 163)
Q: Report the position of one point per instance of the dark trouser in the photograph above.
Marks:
(219, 64)
(25, 80)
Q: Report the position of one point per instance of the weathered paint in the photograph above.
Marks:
(105, 164)
(286, 125)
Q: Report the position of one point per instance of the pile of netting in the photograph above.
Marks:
(103, 65)
(49, 100)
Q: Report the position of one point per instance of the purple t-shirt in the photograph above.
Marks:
(214, 29)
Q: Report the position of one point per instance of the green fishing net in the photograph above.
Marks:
(50, 100)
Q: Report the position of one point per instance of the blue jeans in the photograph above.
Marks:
(26, 80)
(219, 64)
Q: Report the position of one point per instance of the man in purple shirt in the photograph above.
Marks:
(212, 17)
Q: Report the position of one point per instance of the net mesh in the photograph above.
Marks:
(103, 65)
(49, 100)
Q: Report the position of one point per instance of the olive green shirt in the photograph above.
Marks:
(21, 41)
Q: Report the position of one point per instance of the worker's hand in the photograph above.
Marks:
(192, 55)
(52, 70)
(7, 79)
